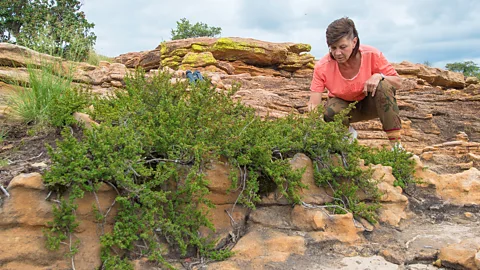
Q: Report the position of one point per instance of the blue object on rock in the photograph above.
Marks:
(190, 76)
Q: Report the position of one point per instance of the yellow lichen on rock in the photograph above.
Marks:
(199, 59)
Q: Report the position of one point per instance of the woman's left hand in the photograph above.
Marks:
(371, 84)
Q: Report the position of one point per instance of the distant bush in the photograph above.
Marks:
(468, 68)
(186, 30)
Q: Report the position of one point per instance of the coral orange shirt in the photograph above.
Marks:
(327, 74)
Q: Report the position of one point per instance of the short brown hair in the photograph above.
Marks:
(343, 27)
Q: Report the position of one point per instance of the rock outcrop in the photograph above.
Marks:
(226, 55)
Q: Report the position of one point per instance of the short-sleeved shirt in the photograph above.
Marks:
(327, 74)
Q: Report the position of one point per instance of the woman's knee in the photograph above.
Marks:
(329, 114)
(385, 87)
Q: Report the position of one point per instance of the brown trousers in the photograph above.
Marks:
(383, 105)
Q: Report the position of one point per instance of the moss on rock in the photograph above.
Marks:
(199, 47)
(172, 62)
(179, 52)
(163, 48)
(199, 59)
(300, 47)
(224, 44)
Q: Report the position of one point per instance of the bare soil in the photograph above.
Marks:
(23, 150)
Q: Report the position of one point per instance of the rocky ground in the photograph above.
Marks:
(435, 224)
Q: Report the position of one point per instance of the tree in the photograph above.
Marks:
(468, 68)
(56, 27)
(199, 29)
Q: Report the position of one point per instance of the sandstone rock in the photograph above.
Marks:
(312, 194)
(392, 214)
(268, 104)
(225, 227)
(433, 76)
(248, 55)
(130, 60)
(116, 84)
(18, 76)
(24, 248)
(220, 184)
(473, 157)
(461, 255)
(472, 80)
(85, 119)
(303, 73)
(149, 60)
(226, 66)
(26, 204)
(240, 68)
(394, 203)
(18, 56)
(427, 156)
(261, 246)
(100, 75)
(406, 68)
(273, 216)
(326, 227)
(28, 181)
(459, 189)
(438, 77)
(26, 213)
(117, 72)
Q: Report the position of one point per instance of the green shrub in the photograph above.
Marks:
(154, 144)
(403, 167)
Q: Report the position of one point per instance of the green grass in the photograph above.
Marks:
(94, 58)
(3, 163)
(32, 104)
(49, 99)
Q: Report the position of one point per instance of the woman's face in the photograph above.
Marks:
(342, 49)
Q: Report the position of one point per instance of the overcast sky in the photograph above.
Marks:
(437, 31)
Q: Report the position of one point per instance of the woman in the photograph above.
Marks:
(353, 72)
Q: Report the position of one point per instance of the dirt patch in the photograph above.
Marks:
(23, 150)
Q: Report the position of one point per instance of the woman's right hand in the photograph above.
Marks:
(315, 100)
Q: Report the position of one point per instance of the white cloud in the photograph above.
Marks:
(437, 31)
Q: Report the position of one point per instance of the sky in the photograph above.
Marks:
(418, 31)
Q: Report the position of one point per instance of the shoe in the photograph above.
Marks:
(197, 75)
(398, 147)
(190, 76)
